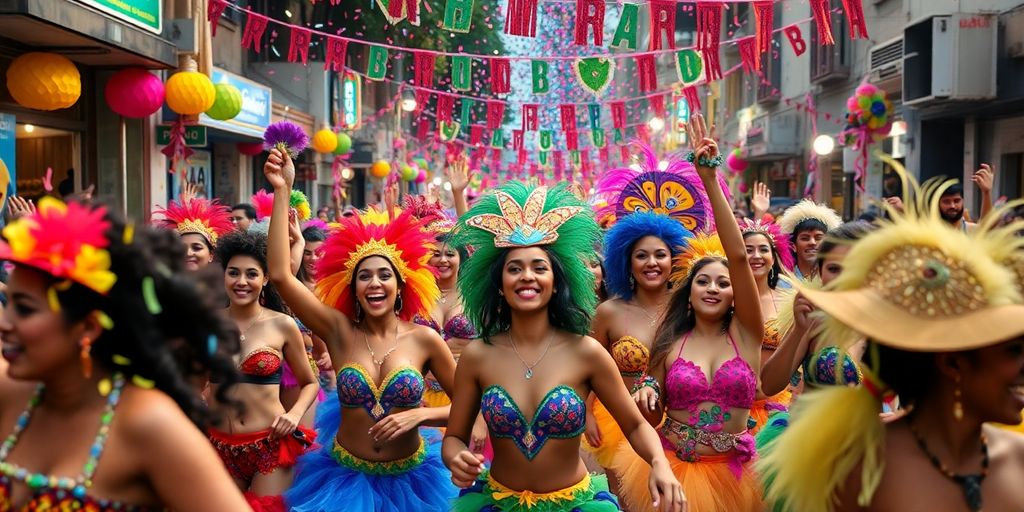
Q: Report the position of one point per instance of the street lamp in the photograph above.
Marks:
(346, 173)
(656, 124)
(408, 101)
(824, 144)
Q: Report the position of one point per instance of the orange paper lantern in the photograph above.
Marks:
(44, 81)
(380, 169)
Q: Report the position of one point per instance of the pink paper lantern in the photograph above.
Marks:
(736, 162)
(134, 93)
(421, 177)
(743, 188)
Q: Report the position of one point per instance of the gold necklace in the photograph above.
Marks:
(529, 367)
(654, 320)
(444, 296)
(373, 357)
(241, 334)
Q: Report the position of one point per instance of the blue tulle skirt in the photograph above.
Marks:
(328, 418)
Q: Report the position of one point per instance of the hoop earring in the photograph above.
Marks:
(85, 356)
(958, 407)
(771, 274)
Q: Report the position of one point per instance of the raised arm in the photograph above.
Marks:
(458, 176)
(323, 320)
(779, 368)
(298, 244)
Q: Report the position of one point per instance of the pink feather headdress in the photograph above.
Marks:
(778, 239)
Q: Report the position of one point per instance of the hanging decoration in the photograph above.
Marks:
(647, 70)
(749, 55)
(495, 114)
(334, 56)
(298, 44)
(735, 161)
(458, 16)
(764, 17)
(324, 141)
(521, 18)
(462, 73)
(868, 120)
(397, 10)
(377, 67)
(445, 107)
(380, 169)
(423, 68)
(344, 144)
(823, 21)
(692, 98)
(252, 36)
(854, 10)
(189, 92)
(567, 115)
(539, 75)
(594, 74)
(618, 109)
(663, 23)
(214, 10)
(589, 18)
(250, 148)
(448, 130)
(796, 39)
(689, 66)
(134, 93)
(709, 33)
(531, 121)
(44, 81)
(625, 36)
(227, 103)
(501, 76)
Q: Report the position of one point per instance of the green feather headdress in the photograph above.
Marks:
(517, 215)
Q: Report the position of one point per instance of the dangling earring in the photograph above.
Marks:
(398, 305)
(85, 357)
(263, 299)
(958, 407)
(359, 312)
(632, 282)
(771, 274)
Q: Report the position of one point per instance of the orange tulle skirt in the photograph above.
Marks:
(611, 437)
(710, 484)
(432, 398)
(762, 409)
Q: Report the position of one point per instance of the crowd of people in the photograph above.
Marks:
(644, 347)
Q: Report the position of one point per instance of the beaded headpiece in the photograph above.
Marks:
(697, 248)
(206, 217)
(627, 231)
(771, 231)
(808, 210)
(438, 220)
(403, 242)
(673, 188)
(524, 225)
(68, 241)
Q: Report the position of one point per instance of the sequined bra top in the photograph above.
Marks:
(631, 356)
(261, 366)
(457, 326)
(46, 499)
(401, 387)
(733, 384)
(824, 368)
(561, 414)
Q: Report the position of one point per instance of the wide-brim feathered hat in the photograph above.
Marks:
(206, 217)
(515, 216)
(918, 284)
(772, 231)
(619, 240)
(402, 241)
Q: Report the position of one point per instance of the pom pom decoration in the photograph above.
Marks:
(868, 120)
(227, 103)
(263, 202)
(736, 162)
(44, 81)
(134, 93)
(408, 173)
(422, 176)
(743, 188)
(324, 141)
(190, 93)
(344, 144)
(300, 202)
(285, 136)
(380, 169)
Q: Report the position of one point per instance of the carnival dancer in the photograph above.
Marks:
(528, 290)
(702, 370)
(372, 279)
(806, 224)
(103, 331)
(945, 329)
(260, 442)
(199, 223)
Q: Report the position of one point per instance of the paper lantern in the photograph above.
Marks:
(408, 173)
(250, 148)
(324, 141)
(190, 93)
(421, 177)
(44, 81)
(134, 93)
(344, 144)
(743, 188)
(736, 162)
(227, 103)
(380, 169)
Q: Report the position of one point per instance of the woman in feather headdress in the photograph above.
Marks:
(199, 223)
(806, 224)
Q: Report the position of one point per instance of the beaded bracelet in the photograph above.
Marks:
(647, 382)
(705, 161)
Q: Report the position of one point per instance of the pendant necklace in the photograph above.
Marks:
(529, 367)
(241, 335)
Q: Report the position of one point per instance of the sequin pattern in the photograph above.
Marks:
(59, 500)
(630, 355)
(926, 282)
(561, 415)
(402, 387)
(262, 362)
(820, 368)
(459, 326)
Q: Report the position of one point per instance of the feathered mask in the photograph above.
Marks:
(772, 231)
(206, 217)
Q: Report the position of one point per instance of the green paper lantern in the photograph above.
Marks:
(408, 173)
(227, 104)
(344, 144)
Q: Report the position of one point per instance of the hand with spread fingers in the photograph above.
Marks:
(760, 200)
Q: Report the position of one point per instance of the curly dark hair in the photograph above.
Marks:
(167, 337)
(254, 245)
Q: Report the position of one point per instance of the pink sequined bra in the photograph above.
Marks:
(733, 385)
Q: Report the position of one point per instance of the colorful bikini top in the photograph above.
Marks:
(631, 356)
(261, 366)
(428, 322)
(733, 385)
(772, 337)
(401, 387)
(561, 414)
(822, 367)
(459, 326)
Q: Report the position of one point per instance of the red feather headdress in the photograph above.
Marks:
(205, 217)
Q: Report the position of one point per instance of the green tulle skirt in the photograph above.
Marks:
(590, 495)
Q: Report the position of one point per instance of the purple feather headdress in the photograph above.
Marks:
(778, 239)
(675, 191)
(285, 136)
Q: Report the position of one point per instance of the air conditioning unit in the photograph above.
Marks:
(950, 58)
(885, 65)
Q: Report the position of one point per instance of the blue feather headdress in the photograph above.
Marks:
(618, 246)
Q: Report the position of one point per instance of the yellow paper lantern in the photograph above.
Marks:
(190, 93)
(44, 81)
(380, 169)
(324, 141)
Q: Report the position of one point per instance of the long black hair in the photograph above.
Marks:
(773, 277)
(679, 316)
(254, 245)
(165, 324)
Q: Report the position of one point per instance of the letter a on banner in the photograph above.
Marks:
(626, 32)
(458, 15)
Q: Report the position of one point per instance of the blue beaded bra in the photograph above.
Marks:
(561, 414)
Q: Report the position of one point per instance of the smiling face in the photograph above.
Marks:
(445, 259)
(36, 340)
(311, 255)
(244, 280)
(376, 286)
(197, 251)
(527, 279)
(759, 254)
(711, 292)
(807, 243)
(241, 221)
(832, 263)
(651, 263)
(992, 380)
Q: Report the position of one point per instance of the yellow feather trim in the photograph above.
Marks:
(697, 248)
(805, 210)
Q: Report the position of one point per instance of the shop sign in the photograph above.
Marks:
(256, 104)
(7, 147)
(682, 112)
(351, 101)
(145, 14)
(198, 171)
(195, 136)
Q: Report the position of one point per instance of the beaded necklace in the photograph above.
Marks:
(76, 486)
(969, 484)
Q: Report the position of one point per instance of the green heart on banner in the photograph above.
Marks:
(449, 130)
(594, 73)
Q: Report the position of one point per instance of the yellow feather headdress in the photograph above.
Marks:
(701, 246)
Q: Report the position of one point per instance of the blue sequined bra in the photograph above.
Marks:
(561, 414)
(401, 387)
(822, 366)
